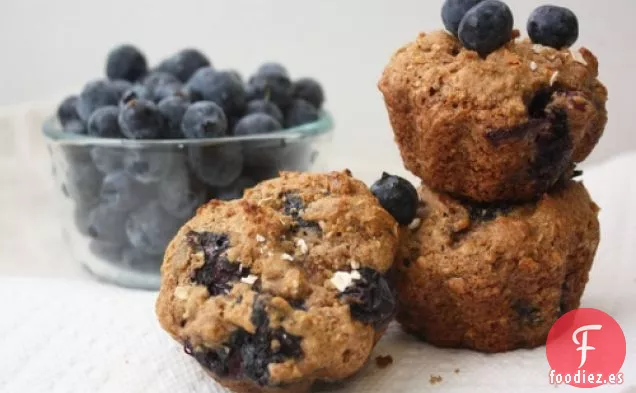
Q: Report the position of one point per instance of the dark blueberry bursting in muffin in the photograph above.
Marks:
(257, 352)
(553, 144)
(259, 313)
(371, 299)
(297, 304)
(217, 272)
(528, 314)
(487, 211)
(293, 206)
(217, 361)
(249, 355)
(548, 126)
(553, 26)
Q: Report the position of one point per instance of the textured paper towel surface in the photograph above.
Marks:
(74, 336)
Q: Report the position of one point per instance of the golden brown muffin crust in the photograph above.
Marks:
(490, 129)
(495, 278)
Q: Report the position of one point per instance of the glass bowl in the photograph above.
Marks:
(121, 201)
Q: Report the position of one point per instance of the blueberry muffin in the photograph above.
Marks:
(284, 287)
(505, 127)
(495, 277)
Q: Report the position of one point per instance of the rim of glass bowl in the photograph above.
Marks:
(53, 131)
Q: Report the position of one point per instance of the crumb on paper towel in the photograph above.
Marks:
(435, 379)
(384, 361)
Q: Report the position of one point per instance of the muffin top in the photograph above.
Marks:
(436, 80)
(285, 285)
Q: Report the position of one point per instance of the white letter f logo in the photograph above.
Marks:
(584, 348)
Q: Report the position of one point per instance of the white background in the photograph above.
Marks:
(50, 48)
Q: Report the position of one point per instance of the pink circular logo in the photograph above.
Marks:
(586, 348)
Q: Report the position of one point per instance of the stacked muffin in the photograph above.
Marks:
(504, 237)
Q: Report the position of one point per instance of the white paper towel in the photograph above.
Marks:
(71, 336)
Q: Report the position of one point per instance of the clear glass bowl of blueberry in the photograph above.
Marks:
(136, 153)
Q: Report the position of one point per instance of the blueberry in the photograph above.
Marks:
(136, 92)
(371, 299)
(199, 81)
(179, 194)
(293, 206)
(184, 64)
(107, 159)
(173, 108)
(272, 85)
(397, 196)
(249, 355)
(170, 90)
(527, 313)
(267, 107)
(140, 119)
(76, 127)
(95, 95)
(108, 251)
(271, 69)
(67, 111)
(301, 112)
(453, 12)
(107, 223)
(150, 228)
(234, 190)
(487, 211)
(309, 90)
(148, 166)
(217, 166)
(220, 87)
(486, 27)
(122, 192)
(103, 123)
(83, 183)
(553, 26)
(259, 317)
(204, 119)
(243, 354)
(126, 62)
(121, 86)
(257, 352)
(217, 272)
(140, 261)
(160, 85)
(257, 124)
(218, 361)
(156, 78)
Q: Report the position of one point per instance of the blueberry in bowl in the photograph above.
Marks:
(138, 150)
